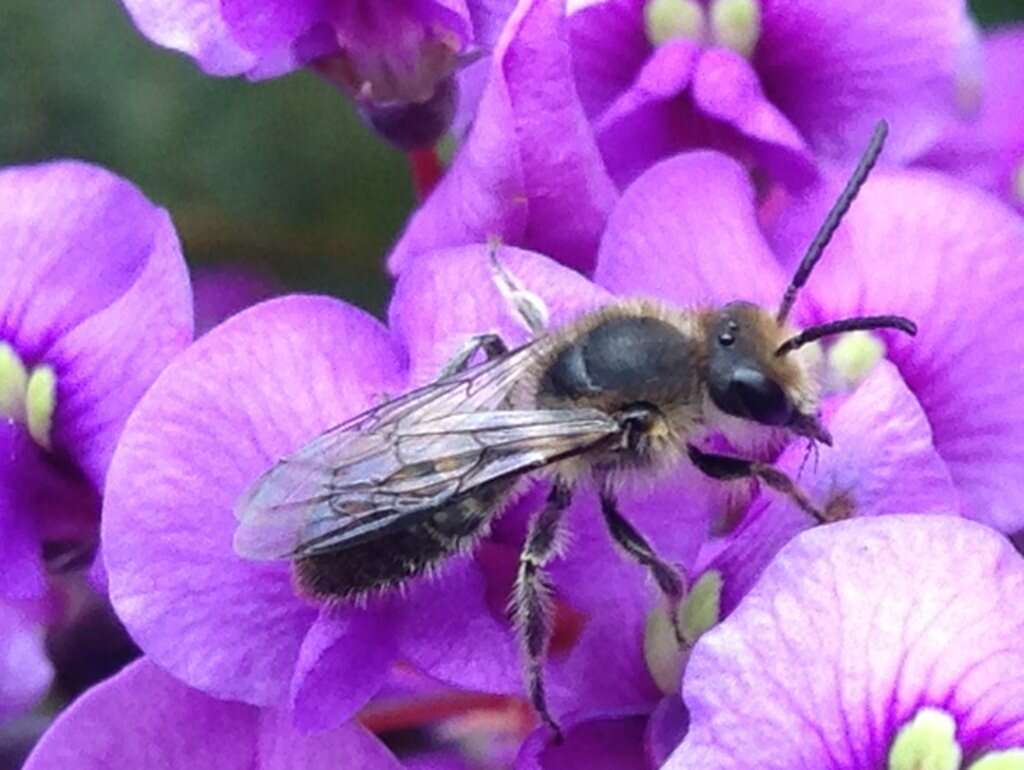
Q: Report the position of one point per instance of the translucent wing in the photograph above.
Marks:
(399, 463)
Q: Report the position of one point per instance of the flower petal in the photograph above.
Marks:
(93, 283)
(948, 257)
(343, 662)
(988, 149)
(23, 481)
(144, 718)
(468, 646)
(836, 68)
(686, 231)
(666, 729)
(529, 171)
(248, 392)
(852, 629)
(269, 25)
(281, 747)
(646, 122)
(488, 17)
(686, 97)
(726, 89)
(600, 744)
(196, 28)
(609, 49)
(25, 669)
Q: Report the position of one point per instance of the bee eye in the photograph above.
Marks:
(751, 394)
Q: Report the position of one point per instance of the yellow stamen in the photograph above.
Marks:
(13, 381)
(854, 356)
(667, 20)
(695, 614)
(662, 653)
(40, 402)
(702, 607)
(736, 24)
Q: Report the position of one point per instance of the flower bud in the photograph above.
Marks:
(412, 125)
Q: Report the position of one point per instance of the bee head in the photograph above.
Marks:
(759, 368)
(746, 378)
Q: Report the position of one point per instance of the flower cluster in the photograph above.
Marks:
(399, 60)
(676, 150)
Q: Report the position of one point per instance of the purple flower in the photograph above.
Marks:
(988, 150)
(529, 170)
(144, 718)
(398, 60)
(272, 377)
(884, 642)
(770, 81)
(246, 393)
(94, 300)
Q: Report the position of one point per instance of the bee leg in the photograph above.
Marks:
(491, 344)
(668, 578)
(727, 468)
(530, 309)
(532, 597)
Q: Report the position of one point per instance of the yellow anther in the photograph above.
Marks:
(927, 742)
(736, 24)
(667, 20)
(40, 402)
(13, 382)
(701, 610)
(698, 612)
(662, 653)
(854, 356)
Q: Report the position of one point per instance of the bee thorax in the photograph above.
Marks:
(622, 360)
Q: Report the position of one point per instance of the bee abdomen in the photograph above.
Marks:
(396, 557)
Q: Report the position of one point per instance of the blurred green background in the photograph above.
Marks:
(280, 175)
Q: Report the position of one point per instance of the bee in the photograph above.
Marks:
(630, 387)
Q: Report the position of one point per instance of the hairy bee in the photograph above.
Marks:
(392, 492)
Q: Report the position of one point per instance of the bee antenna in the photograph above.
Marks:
(831, 223)
(859, 323)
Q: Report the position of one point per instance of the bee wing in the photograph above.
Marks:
(347, 487)
(397, 463)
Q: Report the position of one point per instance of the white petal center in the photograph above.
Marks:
(927, 742)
